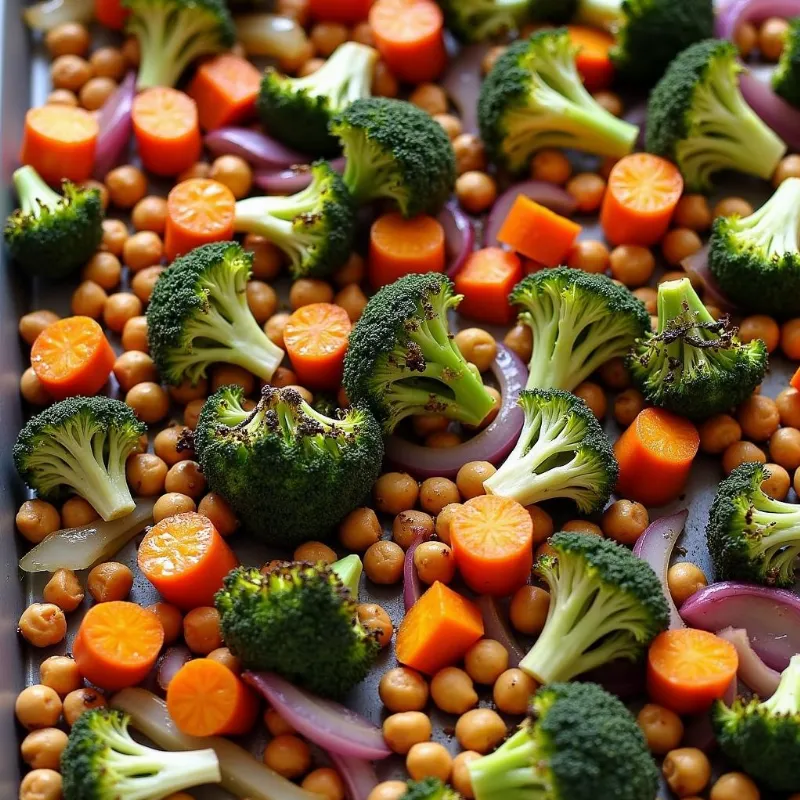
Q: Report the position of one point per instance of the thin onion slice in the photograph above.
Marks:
(115, 127)
(270, 35)
(169, 664)
(358, 775)
(462, 82)
(753, 672)
(412, 586)
(495, 627)
(697, 265)
(255, 147)
(290, 181)
(779, 115)
(735, 12)
(459, 236)
(51, 13)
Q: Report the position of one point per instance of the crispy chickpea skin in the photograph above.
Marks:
(43, 625)
(403, 689)
(383, 562)
(434, 561)
(409, 525)
(436, 493)
(402, 731)
(395, 492)
(146, 474)
(687, 771)
(75, 703)
(625, 521)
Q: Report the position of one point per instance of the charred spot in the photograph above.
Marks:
(185, 440)
(415, 360)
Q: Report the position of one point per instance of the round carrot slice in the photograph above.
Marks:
(199, 211)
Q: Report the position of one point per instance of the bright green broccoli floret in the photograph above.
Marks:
(763, 739)
(403, 360)
(310, 611)
(562, 452)
(579, 321)
(397, 151)
(290, 473)
(693, 364)
(756, 259)
(173, 33)
(51, 234)
(752, 536)
(429, 789)
(103, 762)
(698, 118)
(298, 111)
(786, 78)
(198, 316)
(579, 743)
(314, 228)
(478, 20)
(605, 603)
(79, 446)
(534, 99)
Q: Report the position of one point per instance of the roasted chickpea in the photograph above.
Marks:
(610, 101)
(267, 257)
(41, 749)
(150, 214)
(353, 300)
(89, 300)
(680, 243)
(772, 38)
(127, 185)
(426, 424)
(33, 323)
(588, 189)
(70, 72)
(362, 33)
(233, 172)
(201, 630)
(758, 417)
(430, 98)
(275, 326)
(739, 453)
(470, 154)
(63, 590)
(62, 97)
(172, 503)
(222, 655)
(109, 581)
(389, 790)
(732, 206)
(143, 249)
(648, 296)
(734, 786)
(513, 690)
(760, 327)
(187, 478)
(491, 56)
(627, 406)
(115, 234)
(327, 36)
(383, 562)
(788, 402)
(471, 476)
(476, 191)
(403, 689)
(31, 389)
(542, 524)
(588, 255)
(443, 439)
(94, 93)
(784, 449)
(61, 674)
(434, 561)
(186, 391)
(789, 167)
(477, 346)
(191, 414)
(402, 731)
(303, 392)
(683, 580)
(480, 729)
(37, 519)
(171, 620)
(283, 377)
(409, 525)
(745, 37)
(306, 291)
(67, 39)
(314, 552)
(37, 707)
(661, 727)
(594, 397)
(528, 610)
(395, 492)
(719, 432)
(687, 771)
(232, 375)
(170, 445)
(325, 782)
(77, 512)
(384, 83)
(632, 264)
(148, 400)
(146, 474)
(460, 777)
(443, 520)
(485, 661)
(103, 269)
(360, 529)
(375, 619)
(551, 166)
(520, 340)
(80, 700)
(436, 493)
(288, 755)
(122, 307)
(778, 483)
(429, 760)
(41, 784)
(693, 213)
(276, 724)
(43, 625)
(144, 281)
(452, 125)
(108, 62)
(625, 521)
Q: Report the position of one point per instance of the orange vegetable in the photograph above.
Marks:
(400, 246)
(72, 356)
(655, 455)
(492, 539)
(205, 698)
(486, 280)
(225, 89)
(167, 130)
(111, 13)
(538, 233)
(688, 669)
(316, 340)
(348, 12)
(795, 381)
(640, 199)
(117, 644)
(409, 35)
(59, 142)
(199, 211)
(185, 558)
(438, 630)
(593, 59)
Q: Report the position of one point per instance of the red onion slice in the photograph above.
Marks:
(492, 444)
(459, 236)
(655, 547)
(169, 664)
(323, 722)
(115, 127)
(731, 15)
(495, 627)
(358, 775)
(753, 672)
(462, 82)
(698, 266)
(254, 147)
(779, 115)
(412, 586)
(289, 181)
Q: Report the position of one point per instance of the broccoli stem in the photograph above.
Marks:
(368, 169)
(786, 699)
(778, 524)
(776, 225)
(606, 14)
(34, 194)
(345, 77)
(349, 571)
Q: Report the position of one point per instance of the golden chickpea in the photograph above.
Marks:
(470, 154)
(631, 264)
(43, 625)
(95, 92)
(594, 397)
(758, 417)
(353, 271)
(734, 786)
(191, 413)
(201, 630)
(375, 619)
(144, 281)
(222, 655)
(384, 84)
(288, 755)
(325, 782)
(627, 406)
(610, 101)
(143, 249)
(520, 340)
(359, 530)
(789, 167)
(784, 449)
(614, 374)
(37, 707)
(528, 610)
(625, 521)
(551, 166)
(115, 234)
(486, 661)
(389, 790)
(275, 326)
(362, 33)
(662, 728)
(745, 37)
(303, 392)
(588, 255)
(582, 526)
(61, 674)
(443, 439)
(430, 98)
(683, 580)
(426, 424)
(477, 346)
(88, 300)
(395, 492)
(402, 731)
(542, 524)
(67, 39)
(429, 760)
(648, 296)
(127, 185)
(148, 400)
(476, 191)
(687, 771)
(588, 189)
(186, 391)
(403, 689)
(146, 474)
(327, 36)
(62, 97)
(32, 324)
(187, 478)
(790, 339)
(31, 389)
(100, 188)
(480, 729)
(772, 37)
(788, 402)
(109, 581)
(233, 172)
(693, 213)
(104, 270)
(314, 552)
(306, 291)
(680, 243)
(77, 512)
(172, 503)
(740, 453)
(200, 169)
(353, 300)
(150, 214)
(37, 519)
(719, 432)
(283, 377)
(262, 300)
(732, 206)
(451, 124)
(471, 476)
(383, 562)
(490, 59)
(171, 620)
(434, 561)
(41, 784)
(108, 62)
(436, 493)
(443, 520)
(41, 749)
(512, 691)
(276, 724)
(232, 375)
(409, 525)
(80, 700)
(460, 778)
(778, 483)
(70, 72)
(119, 309)
(63, 590)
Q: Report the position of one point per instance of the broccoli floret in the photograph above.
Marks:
(51, 234)
(786, 78)
(103, 762)
(478, 20)
(605, 603)
(198, 315)
(579, 321)
(298, 111)
(756, 259)
(173, 33)
(79, 446)
(403, 360)
(397, 151)
(429, 789)
(698, 118)
(763, 739)
(309, 610)
(533, 99)
(694, 365)
(752, 536)
(579, 743)
(562, 452)
(290, 473)
(314, 228)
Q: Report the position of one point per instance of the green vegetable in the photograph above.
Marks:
(79, 446)
(786, 78)
(698, 118)
(198, 316)
(579, 321)
(579, 743)
(396, 151)
(562, 452)
(605, 603)
(534, 99)
(52, 235)
(479, 20)
(403, 360)
(693, 364)
(310, 612)
(314, 228)
(430, 789)
(290, 473)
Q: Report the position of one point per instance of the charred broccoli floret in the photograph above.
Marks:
(786, 78)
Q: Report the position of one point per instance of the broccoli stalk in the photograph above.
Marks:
(786, 78)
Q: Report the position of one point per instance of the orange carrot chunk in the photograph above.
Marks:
(655, 456)
(795, 381)
(688, 669)
(348, 12)
(593, 58)
(438, 630)
(538, 233)
(486, 280)
(225, 89)
(111, 13)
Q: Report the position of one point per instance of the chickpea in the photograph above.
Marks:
(233, 172)
(103, 269)
(146, 474)
(303, 392)
(451, 124)
(680, 243)
(148, 400)
(69, 72)
(384, 83)
(588, 255)
(327, 36)
(513, 690)
(383, 562)
(109, 581)
(192, 413)
(144, 281)
(520, 340)
(62, 97)
(470, 154)
(283, 377)
(121, 308)
(187, 478)
(471, 476)
(360, 529)
(732, 206)
(362, 33)
(632, 265)
(403, 689)
(760, 327)
(186, 391)
(490, 59)
(409, 525)
(460, 778)
(443, 520)
(127, 185)
(543, 527)
(434, 562)
(594, 397)
(201, 630)
(758, 417)
(353, 271)
(41, 784)
(477, 346)
(648, 296)
(77, 512)
(402, 731)
(172, 503)
(693, 213)
(143, 249)
(625, 521)
(108, 62)
(288, 755)
(772, 37)
(429, 760)
(778, 483)
(63, 590)
(171, 620)
(718, 433)
(789, 167)
(582, 526)
(588, 189)
(75, 703)
(788, 402)
(32, 324)
(353, 300)
(306, 291)
(88, 300)
(734, 786)
(314, 552)
(275, 327)
(389, 790)
(443, 439)
(150, 214)
(41, 749)
(115, 234)
(528, 610)
(395, 492)
(38, 706)
(276, 724)
(426, 424)
(37, 519)
(95, 92)
(662, 728)
(476, 191)
(67, 39)
(687, 771)
(480, 729)
(740, 453)
(31, 389)
(745, 37)
(61, 674)
(627, 406)
(683, 580)
(222, 655)
(551, 166)
(436, 493)
(784, 449)
(325, 782)
(43, 625)
(486, 661)
(375, 619)
(262, 300)
(430, 98)
(232, 374)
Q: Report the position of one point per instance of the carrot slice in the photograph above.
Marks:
(688, 669)
(538, 233)
(348, 12)
(400, 246)
(185, 558)
(409, 35)
(205, 698)
(486, 280)
(655, 456)
(316, 338)
(59, 142)
(225, 89)
(111, 13)
(492, 539)
(593, 59)
(795, 381)
(643, 191)
(199, 211)
(72, 356)
(167, 130)
(438, 630)
(117, 644)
